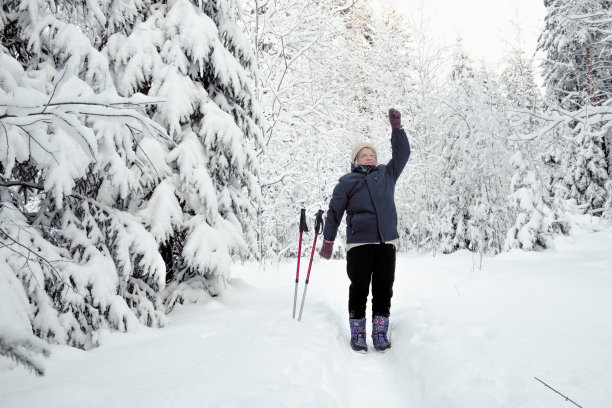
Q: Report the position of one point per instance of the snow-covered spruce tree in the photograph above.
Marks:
(577, 68)
(520, 91)
(533, 226)
(575, 158)
(195, 56)
(588, 175)
(533, 210)
(76, 159)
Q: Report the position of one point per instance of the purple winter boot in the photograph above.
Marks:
(358, 333)
(380, 325)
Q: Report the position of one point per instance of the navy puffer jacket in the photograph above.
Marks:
(367, 196)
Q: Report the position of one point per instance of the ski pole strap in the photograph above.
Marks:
(319, 222)
(303, 225)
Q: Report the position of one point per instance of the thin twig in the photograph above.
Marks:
(135, 139)
(566, 398)
(55, 89)
(32, 138)
(345, 7)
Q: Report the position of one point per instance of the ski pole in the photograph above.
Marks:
(303, 228)
(318, 230)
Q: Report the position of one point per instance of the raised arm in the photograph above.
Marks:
(400, 147)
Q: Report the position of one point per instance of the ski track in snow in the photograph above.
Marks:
(462, 336)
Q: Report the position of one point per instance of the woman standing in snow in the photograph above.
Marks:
(366, 194)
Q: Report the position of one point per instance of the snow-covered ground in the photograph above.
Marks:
(466, 332)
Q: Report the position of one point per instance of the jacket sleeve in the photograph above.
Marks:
(337, 206)
(400, 152)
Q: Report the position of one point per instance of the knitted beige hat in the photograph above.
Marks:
(358, 148)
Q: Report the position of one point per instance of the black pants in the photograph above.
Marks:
(365, 263)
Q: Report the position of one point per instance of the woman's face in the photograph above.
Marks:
(366, 156)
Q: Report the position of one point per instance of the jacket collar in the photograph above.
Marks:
(363, 168)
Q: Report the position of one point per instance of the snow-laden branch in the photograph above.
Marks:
(14, 183)
(26, 254)
(20, 351)
(593, 19)
(97, 105)
(558, 116)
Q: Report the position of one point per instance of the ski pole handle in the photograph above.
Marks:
(303, 224)
(319, 222)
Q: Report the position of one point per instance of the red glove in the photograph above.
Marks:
(327, 249)
(395, 118)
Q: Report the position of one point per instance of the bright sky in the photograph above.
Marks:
(484, 25)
